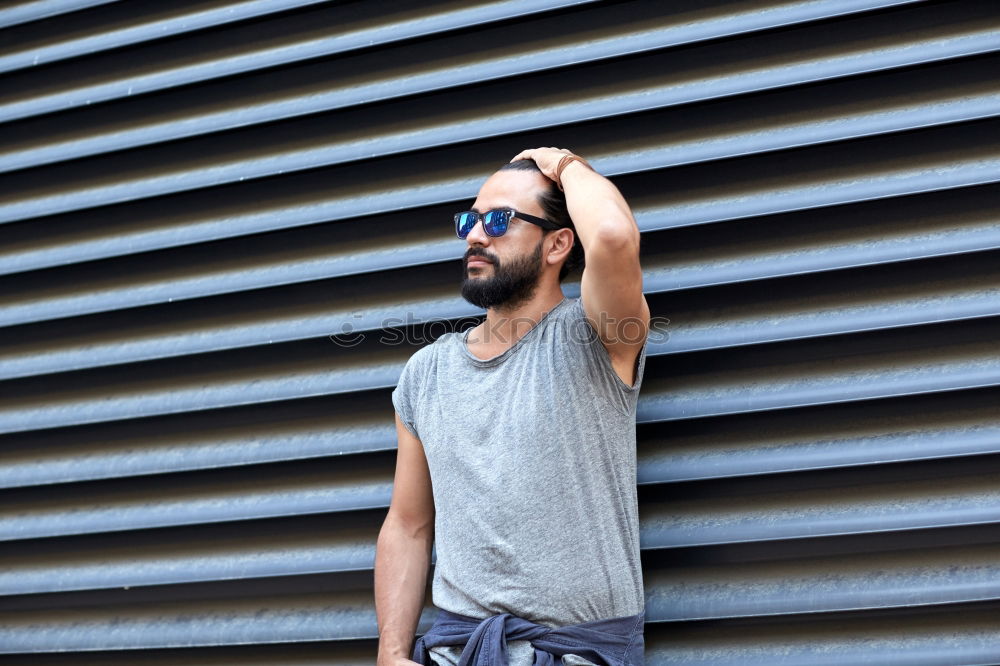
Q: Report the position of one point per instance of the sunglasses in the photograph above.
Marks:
(495, 222)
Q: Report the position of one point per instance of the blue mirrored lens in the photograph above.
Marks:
(465, 223)
(496, 222)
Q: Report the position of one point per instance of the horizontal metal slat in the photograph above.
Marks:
(710, 343)
(846, 582)
(211, 553)
(871, 501)
(27, 524)
(927, 169)
(355, 196)
(255, 320)
(258, 325)
(684, 28)
(240, 494)
(244, 436)
(933, 225)
(720, 72)
(368, 246)
(952, 635)
(42, 48)
(890, 364)
(879, 433)
(906, 297)
(717, 516)
(270, 618)
(320, 369)
(131, 181)
(25, 12)
(935, 427)
(315, 653)
(238, 50)
(935, 504)
(962, 222)
(372, 364)
(949, 158)
(342, 616)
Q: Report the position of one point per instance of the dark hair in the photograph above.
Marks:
(553, 203)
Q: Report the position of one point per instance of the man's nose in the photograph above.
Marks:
(477, 235)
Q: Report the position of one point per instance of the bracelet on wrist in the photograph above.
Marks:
(565, 162)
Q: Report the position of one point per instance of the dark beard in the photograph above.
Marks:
(509, 286)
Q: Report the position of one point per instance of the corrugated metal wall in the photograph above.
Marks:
(197, 195)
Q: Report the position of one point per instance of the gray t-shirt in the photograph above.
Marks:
(533, 467)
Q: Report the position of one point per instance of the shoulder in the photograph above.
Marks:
(428, 353)
(574, 317)
(574, 308)
(568, 310)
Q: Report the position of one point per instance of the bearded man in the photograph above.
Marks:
(516, 438)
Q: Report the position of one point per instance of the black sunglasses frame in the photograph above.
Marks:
(481, 217)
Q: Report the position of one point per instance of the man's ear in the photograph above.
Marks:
(562, 245)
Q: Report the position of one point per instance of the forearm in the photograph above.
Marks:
(596, 207)
(402, 560)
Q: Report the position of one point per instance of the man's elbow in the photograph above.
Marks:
(411, 525)
(614, 241)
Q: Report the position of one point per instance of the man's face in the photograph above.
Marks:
(504, 271)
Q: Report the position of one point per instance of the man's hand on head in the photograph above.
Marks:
(547, 159)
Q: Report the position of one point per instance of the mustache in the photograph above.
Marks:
(478, 253)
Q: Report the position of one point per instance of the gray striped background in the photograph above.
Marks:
(196, 195)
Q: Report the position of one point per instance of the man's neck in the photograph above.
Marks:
(505, 326)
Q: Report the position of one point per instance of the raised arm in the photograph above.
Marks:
(403, 551)
(611, 286)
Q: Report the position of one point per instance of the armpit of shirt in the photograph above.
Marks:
(520, 653)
